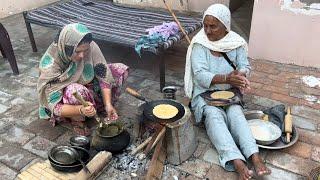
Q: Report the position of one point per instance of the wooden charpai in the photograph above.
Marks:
(165, 111)
(222, 95)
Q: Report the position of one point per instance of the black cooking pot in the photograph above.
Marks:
(74, 167)
(113, 143)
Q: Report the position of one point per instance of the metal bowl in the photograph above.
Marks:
(265, 132)
(80, 141)
(64, 155)
(253, 114)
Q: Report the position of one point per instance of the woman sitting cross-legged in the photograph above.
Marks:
(207, 69)
(75, 63)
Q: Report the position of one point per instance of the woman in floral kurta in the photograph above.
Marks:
(73, 62)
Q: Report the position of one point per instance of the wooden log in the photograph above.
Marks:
(160, 135)
(96, 165)
(156, 165)
(154, 137)
(141, 146)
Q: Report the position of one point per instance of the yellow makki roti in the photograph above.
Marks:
(165, 111)
(222, 95)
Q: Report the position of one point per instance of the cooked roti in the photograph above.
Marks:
(165, 111)
(222, 95)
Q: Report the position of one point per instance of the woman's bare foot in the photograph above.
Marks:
(242, 169)
(259, 166)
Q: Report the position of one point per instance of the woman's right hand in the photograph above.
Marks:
(88, 111)
(236, 79)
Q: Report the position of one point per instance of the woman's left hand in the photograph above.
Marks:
(111, 112)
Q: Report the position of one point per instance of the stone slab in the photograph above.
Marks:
(17, 135)
(216, 172)
(39, 146)
(291, 163)
(6, 173)
(45, 129)
(280, 174)
(3, 108)
(211, 156)
(15, 157)
(4, 97)
(196, 168)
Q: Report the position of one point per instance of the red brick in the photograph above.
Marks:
(306, 112)
(276, 89)
(312, 105)
(291, 163)
(278, 78)
(316, 153)
(260, 80)
(256, 85)
(299, 149)
(259, 92)
(292, 68)
(310, 91)
(285, 98)
(267, 68)
(309, 137)
(311, 71)
(289, 75)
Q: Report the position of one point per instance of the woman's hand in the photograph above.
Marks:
(235, 78)
(111, 112)
(238, 79)
(88, 111)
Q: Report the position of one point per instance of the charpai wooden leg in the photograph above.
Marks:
(162, 71)
(7, 50)
(2, 52)
(30, 33)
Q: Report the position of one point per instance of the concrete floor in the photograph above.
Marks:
(24, 139)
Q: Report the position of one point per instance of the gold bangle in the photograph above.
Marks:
(80, 112)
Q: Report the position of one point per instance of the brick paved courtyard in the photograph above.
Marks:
(24, 139)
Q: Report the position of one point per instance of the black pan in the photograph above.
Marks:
(74, 167)
(149, 106)
(64, 155)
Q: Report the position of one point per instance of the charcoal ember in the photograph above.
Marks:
(127, 162)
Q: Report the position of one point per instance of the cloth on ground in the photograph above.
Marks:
(276, 115)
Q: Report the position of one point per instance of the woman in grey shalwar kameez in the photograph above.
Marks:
(207, 69)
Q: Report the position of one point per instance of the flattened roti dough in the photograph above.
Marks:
(165, 111)
(222, 95)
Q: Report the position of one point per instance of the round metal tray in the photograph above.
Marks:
(278, 144)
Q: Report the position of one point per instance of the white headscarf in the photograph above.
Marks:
(229, 42)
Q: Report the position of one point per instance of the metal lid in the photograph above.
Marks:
(171, 88)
